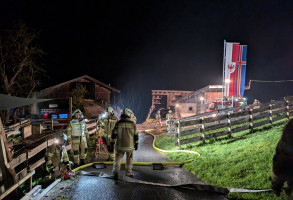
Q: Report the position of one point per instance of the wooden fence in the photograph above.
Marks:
(15, 167)
(226, 122)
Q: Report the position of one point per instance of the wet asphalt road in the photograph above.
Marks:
(93, 187)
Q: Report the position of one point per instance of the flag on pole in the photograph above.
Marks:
(241, 70)
(231, 68)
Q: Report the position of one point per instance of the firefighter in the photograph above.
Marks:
(168, 119)
(107, 124)
(158, 118)
(283, 162)
(57, 161)
(255, 102)
(77, 136)
(125, 139)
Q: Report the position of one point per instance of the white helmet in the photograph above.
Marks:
(127, 112)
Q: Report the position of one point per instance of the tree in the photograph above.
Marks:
(20, 70)
(78, 95)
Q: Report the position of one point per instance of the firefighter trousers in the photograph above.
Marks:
(79, 146)
(118, 158)
(111, 151)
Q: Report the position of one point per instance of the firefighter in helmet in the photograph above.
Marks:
(57, 161)
(168, 119)
(77, 136)
(256, 102)
(107, 124)
(283, 162)
(125, 139)
(158, 118)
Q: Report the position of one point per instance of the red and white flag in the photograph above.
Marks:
(231, 68)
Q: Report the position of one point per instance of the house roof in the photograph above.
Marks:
(84, 77)
(209, 88)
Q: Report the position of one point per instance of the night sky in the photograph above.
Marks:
(138, 46)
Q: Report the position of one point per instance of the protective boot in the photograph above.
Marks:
(129, 173)
(82, 162)
(75, 165)
(116, 176)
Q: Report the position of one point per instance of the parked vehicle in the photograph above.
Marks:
(217, 105)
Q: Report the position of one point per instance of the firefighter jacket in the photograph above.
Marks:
(125, 135)
(55, 156)
(158, 116)
(108, 124)
(169, 116)
(76, 128)
(133, 118)
(283, 159)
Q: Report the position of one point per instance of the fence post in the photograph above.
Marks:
(202, 130)
(229, 125)
(52, 124)
(287, 110)
(271, 115)
(178, 134)
(251, 120)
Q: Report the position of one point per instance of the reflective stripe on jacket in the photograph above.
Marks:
(76, 128)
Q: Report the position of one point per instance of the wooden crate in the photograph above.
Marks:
(27, 131)
(36, 129)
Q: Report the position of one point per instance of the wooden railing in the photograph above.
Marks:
(30, 154)
(226, 122)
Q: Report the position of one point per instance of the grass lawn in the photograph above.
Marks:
(243, 161)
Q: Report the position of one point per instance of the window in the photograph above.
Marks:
(54, 116)
(63, 116)
(190, 108)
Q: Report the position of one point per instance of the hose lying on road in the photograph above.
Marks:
(134, 163)
(169, 151)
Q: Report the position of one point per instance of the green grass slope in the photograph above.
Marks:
(243, 161)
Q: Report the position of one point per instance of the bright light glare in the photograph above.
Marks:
(201, 98)
(214, 115)
(227, 81)
(103, 115)
(177, 105)
(244, 99)
(56, 141)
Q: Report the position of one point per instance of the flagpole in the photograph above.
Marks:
(223, 81)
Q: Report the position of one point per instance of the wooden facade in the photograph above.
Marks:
(97, 91)
(166, 98)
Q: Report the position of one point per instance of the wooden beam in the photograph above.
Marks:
(70, 108)
(12, 132)
(190, 131)
(32, 193)
(9, 155)
(16, 185)
(40, 196)
(37, 164)
(17, 124)
(21, 158)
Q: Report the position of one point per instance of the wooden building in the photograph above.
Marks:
(197, 101)
(166, 98)
(98, 92)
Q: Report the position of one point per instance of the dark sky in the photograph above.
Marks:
(142, 45)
